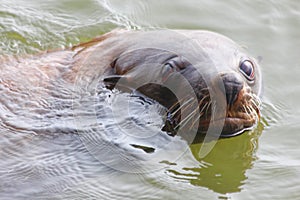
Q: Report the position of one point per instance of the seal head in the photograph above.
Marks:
(188, 69)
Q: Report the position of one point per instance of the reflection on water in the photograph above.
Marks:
(223, 170)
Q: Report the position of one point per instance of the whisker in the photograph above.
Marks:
(204, 90)
(201, 113)
(192, 115)
(248, 110)
(256, 99)
(184, 108)
(208, 106)
(255, 111)
(245, 109)
(204, 98)
(255, 105)
(173, 113)
(197, 119)
(174, 105)
(184, 121)
(205, 105)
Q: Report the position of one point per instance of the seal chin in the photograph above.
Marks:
(235, 126)
(230, 126)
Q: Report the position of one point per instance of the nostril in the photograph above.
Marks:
(232, 86)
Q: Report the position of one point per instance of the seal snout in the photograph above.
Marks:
(232, 86)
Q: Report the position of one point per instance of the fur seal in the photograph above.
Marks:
(204, 79)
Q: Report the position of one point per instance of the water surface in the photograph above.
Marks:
(261, 164)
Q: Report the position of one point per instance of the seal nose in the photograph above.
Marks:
(232, 86)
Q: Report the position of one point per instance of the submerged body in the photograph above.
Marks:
(204, 79)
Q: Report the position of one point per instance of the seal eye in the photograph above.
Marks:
(247, 69)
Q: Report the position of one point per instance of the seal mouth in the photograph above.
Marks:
(233, 120)
(242, 115)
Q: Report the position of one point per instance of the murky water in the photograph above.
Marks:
(46, 156)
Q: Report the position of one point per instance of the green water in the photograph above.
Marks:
(263, 164)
